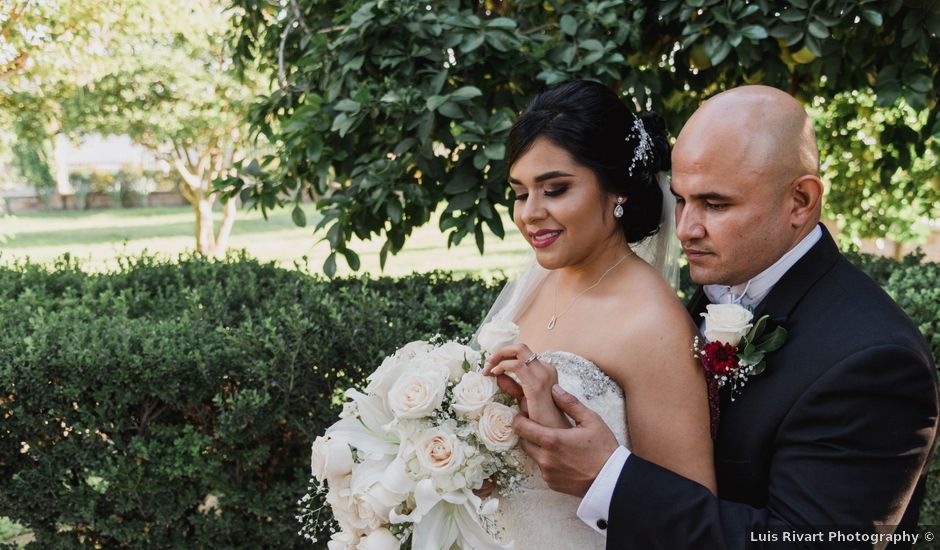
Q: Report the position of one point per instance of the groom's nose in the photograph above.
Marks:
(689, 225)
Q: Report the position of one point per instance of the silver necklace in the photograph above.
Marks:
(554, 319)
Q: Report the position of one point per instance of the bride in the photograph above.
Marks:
(594, 316)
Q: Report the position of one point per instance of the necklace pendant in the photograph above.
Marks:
(551, 322)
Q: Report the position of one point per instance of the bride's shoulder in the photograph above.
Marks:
(654, 329)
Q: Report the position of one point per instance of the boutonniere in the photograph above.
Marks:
(734, 348)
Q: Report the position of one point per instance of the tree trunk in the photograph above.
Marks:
(225, 228)
(60, 169)
(205, 239)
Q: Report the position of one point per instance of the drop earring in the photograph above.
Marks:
(618, 210)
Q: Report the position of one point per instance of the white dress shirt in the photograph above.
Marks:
(595, 506)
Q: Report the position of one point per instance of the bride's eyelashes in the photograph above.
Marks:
(549, 192)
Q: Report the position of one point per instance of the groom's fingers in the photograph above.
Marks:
(571, 406)
(534, 433)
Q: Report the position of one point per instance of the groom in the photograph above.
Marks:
(837, 432)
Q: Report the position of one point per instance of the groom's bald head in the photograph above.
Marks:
(757, 129)
(746, 176)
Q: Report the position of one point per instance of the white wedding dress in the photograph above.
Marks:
(538, 518)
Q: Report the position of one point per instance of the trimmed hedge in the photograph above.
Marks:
(132, 402)
(173, 404)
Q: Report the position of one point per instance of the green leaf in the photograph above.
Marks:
(754, 32)
(329, 266)
(792, 16)
(592, 45)
(504, 23)
(569, 25)
(495, 151)
(759, 368)
(472, 42)
(435, 101)
(450, 110)
(383, 254)
(818, 30)
(757, 329)
(751, 358)
(773, 341)
(462, 202)
(873, 17)
(348, 106)
(298, 216)
(352, 259)
(920, 83)
(716, 49)
(812, 45)
(465, 93)
(462, 182)
(478, 234)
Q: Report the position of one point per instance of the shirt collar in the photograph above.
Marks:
(750, 293)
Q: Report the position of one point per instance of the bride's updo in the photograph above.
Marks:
(625, 152)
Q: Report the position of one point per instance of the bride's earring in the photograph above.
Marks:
(618, 210)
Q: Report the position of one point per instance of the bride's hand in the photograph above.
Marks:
(536, 379)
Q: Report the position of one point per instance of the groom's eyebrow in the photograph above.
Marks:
(710, 196)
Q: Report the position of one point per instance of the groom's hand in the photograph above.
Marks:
(571, 458)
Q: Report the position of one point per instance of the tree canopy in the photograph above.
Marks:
(159, 71)
(386, 109)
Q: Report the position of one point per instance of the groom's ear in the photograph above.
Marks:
(805, 197)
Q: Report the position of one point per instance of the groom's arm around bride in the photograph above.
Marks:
(839, 428)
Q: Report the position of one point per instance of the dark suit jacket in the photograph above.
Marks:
(837, 431)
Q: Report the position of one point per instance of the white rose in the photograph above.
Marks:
(380, 539)
(383, 377)
(330, 458)
(439, 451)
(497, 334)
(473, 392)
(412, 349)
(452, 355)
(726, 323)
(343, 540)
(495, 427)
(416, 394)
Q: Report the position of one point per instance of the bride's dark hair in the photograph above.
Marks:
(595, 127)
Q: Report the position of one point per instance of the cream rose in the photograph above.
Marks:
(473, 392)
(380, 539)
(416, 394)
(726, 323)
(497, 334)
(439, 451)
(495, 427)
(452, 356)
(330, 459)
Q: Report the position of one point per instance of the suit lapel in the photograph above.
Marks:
(796, 282)
(696, 305)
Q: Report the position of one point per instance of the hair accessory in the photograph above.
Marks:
(618, 210)
(644, 148)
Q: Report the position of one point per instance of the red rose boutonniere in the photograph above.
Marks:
(735, 348)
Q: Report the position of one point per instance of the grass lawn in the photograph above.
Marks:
(96, 237)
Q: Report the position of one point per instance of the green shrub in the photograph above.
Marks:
(132, 401)
(173, 404)
(916, 288)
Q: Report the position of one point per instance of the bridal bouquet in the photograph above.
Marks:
(401, 464)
